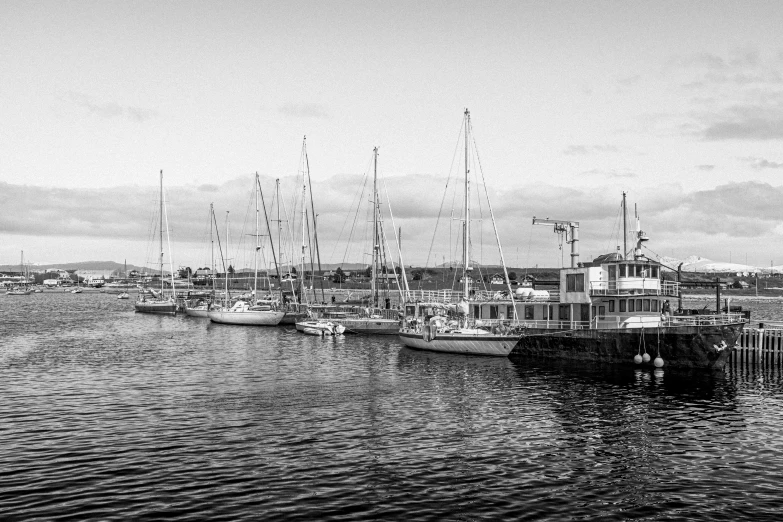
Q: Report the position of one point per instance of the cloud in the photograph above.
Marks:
(126, 215)
(582, 150)
(304, 110)
(630, 80)
(761, 163)
(611, 173)
(111, 109)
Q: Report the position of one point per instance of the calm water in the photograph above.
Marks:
(106, 414)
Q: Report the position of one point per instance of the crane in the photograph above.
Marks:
(570, 228)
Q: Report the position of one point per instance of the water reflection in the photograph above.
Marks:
(232, 422)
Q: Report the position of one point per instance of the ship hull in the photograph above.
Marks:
(693, 346)
(293, 318)
(197, 311)
(156, 307)
(249, 318)
(370, 326)
(491, 345)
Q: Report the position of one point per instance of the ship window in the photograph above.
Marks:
(630, 305)
(654, 270)
(622, 305)
(529, 312)
(623, 270)
(639, 270)
(551, 312)
(646, 305)
(564, 312)
(612, 272)
(493, 311)
(594, 311)
(639, 305)
(575, 282)
(510, 312)
(601, 311)
(476, 312)
(611, 305)
(655, 305)
(410, 310)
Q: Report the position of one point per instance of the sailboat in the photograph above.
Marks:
(23, 288)
(159, 303)
(242, 312)
(373, 319)
(444, 326)
(201, 309)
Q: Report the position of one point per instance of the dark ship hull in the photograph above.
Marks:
(691, 346)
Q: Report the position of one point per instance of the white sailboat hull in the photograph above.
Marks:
(156, 307)
(247, 318)
(198, 311)
(493, 345)
(370, 326)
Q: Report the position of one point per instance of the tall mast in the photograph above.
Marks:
(466, 234)
(625, 231)
(374, 271)
(212, 244)
(161, 233)
(258, 247)
(279, 232)
(312, 208)
(269, 231)
(302, 290)
(226, 274)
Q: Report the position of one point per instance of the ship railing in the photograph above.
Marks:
(549, 324)
(476, 296)
(648, 287)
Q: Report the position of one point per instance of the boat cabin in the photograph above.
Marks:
(609, 292)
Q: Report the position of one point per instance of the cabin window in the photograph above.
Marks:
(623, 270)
(564, 312)
(646, 305)
(612, 272)
(551, 311)
(654, 271)
(594, 311)
(601, 311)
(410, 310)
(493, 311)
(622, 305)
(639, 305)
(529, 312)
(611, 305)
(510, 314)
(655, 305)
(639, 270)
(575, 282)
(476, 312)
(630, 305)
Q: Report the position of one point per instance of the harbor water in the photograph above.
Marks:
(110, 415)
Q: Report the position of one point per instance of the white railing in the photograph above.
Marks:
(477, 296)
(648, 286)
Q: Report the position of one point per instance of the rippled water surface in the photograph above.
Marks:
(106, 414)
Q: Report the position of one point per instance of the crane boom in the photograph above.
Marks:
(571, 229)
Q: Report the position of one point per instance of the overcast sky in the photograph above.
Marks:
(678, 103)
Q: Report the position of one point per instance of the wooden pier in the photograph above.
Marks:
(759, 346)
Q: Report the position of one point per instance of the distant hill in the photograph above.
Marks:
(82, 265)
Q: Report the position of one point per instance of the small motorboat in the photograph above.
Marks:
(76, 291)
(123, 295)
(320, 328)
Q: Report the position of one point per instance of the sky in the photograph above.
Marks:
(679, 104)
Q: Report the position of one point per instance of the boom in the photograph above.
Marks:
(570, 228)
